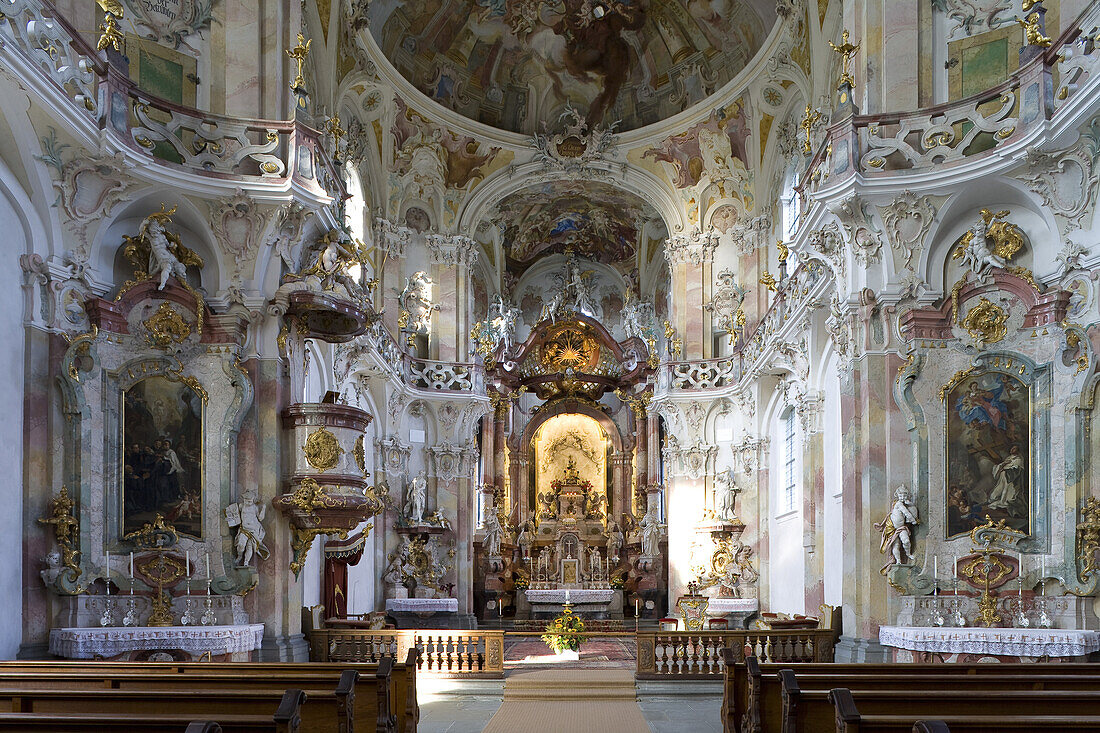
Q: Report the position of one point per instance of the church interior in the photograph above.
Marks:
(550, 365)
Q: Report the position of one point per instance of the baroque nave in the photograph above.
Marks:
(526, 365)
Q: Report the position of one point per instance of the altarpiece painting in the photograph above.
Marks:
(988, 452)
(162, 455)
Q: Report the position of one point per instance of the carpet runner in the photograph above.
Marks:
(569, 701)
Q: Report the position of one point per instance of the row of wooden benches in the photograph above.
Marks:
(888, 698)
(64, 697)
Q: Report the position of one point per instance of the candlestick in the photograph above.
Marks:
(567, 597)
(635, 608)
(131, 564)
(108, 579)
(935, 576)
(187, 566)
(1043, 574)
(955, 572)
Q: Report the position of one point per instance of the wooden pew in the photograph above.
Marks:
(930, 726)
(323, 709)
(286, 719)
(313, 677)
(849, 720)
(752, 694)
(811, 710)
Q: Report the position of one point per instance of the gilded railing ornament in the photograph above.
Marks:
(847, 52)
(112, 37)
(322, 450)
(66, 530)
(299, 53)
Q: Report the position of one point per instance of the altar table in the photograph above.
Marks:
(923, 643)
(232, 643)
(428, 613)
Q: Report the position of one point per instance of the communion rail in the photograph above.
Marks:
(693, 655)
(443, 652)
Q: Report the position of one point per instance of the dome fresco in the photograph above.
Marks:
(518, 64)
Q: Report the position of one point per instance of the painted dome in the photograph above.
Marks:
(516, 64)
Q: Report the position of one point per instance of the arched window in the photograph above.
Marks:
(788, 464)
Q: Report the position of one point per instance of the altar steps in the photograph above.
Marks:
(562, 701)
(591, 626)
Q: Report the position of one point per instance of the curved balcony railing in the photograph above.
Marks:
(956, 133)
(701, 374)
(195, 141)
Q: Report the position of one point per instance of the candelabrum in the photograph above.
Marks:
(208, 608)
(1019, 608)
(958, 619)
(130, 619)
(108, 617)
(188, 617)
(1044, 621)
(937, 613)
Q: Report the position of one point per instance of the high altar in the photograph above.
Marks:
(569, 558)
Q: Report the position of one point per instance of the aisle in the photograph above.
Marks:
(569, 701)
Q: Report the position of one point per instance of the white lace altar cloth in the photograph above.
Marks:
(422, 605)
(1003, 642)
(722, 606)
(74, 643)
(576, 595)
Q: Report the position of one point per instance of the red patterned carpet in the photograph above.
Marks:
(529, 653)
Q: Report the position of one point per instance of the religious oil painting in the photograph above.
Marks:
(162, 457)
(988, 453)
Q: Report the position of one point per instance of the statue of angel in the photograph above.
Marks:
(416, 301)
(247, 516)
(727, 494)
(638, 317)
(504, 325)
(580, 283)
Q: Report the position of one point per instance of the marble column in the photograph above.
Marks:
(690, 257)
(392, 241)
(451, 255)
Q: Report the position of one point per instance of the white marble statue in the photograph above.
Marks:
(162, 263)
(542, 565)
(504, 325)
(247, 516)
(416, 498)
(978, 253)
(416, 300)
(650, 528)
(897, 529)
(614, 541)
(494, 533)
(524, 539)
(727, 491)
(638, 317)
(595, 562)
(580, 283)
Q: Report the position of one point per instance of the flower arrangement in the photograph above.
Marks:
(521, 580)
(565, 632)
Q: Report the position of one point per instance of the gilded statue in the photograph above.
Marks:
(847, 52)
(66, 531)
(1033, 31)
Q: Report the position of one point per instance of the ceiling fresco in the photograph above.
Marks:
(516, 64)
(595, 220)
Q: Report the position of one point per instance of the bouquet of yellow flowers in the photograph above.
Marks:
(565, 632)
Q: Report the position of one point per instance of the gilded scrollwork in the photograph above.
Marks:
(986, 322)
(66, 530)
(1088, 538)
(166, 327)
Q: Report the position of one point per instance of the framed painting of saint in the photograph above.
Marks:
(162, 455)
(988, 453)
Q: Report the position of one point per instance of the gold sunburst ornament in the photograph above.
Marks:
(570, 348)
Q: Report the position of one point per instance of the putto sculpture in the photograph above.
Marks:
(897, 529)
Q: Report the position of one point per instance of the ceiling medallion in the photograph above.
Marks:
(322, 450)
(986, 322)
(570, 347)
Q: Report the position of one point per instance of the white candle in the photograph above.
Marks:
(208, 566)
(131, 564)
(635, 608)
(935, 575)
(108, 583)
(1020, 573)
(567, 597)
(187, 569)
(1043, 574)
(956, 570)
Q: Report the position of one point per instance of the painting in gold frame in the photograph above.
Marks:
(162, 456)
(988, 437)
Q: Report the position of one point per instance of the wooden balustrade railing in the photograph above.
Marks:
(442, 652)
(691, 655)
